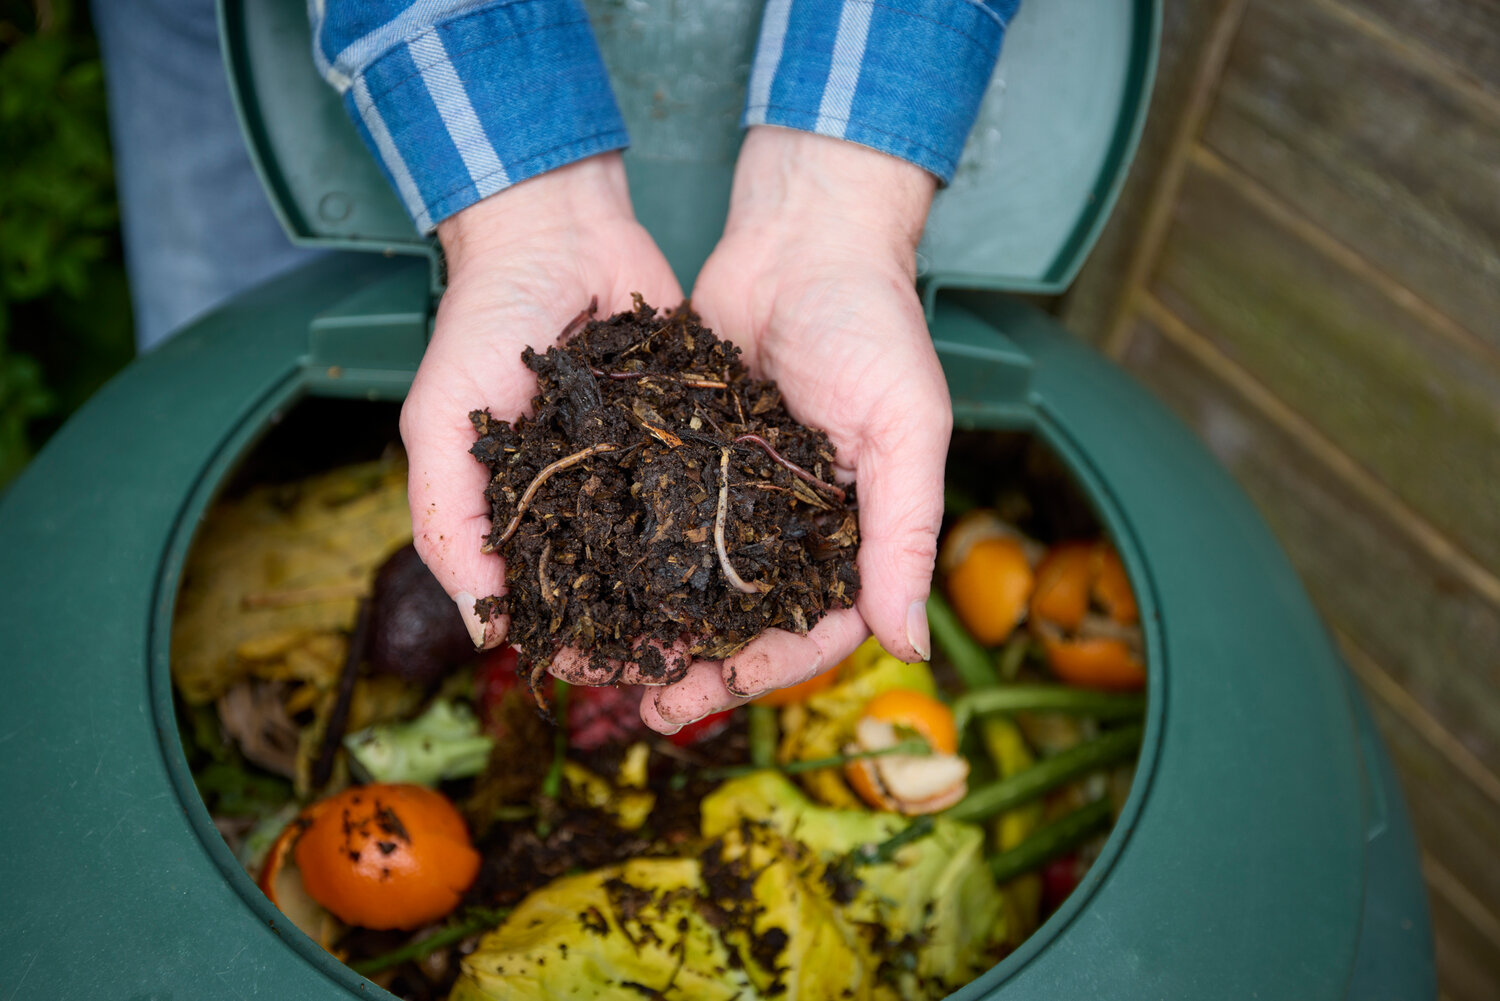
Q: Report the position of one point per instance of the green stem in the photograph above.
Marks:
(887, 849)
(1013, 655)
(552, 784)
(1047, 774)
(1046, 698)
(916, 747)
(764, 735)
(471, 925)
(1047, 843)
(968, 658)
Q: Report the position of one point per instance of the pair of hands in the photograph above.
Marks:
(813, 279)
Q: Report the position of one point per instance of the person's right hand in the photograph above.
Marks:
(521, 264)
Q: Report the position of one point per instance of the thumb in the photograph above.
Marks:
(450, 515)
(900, 475)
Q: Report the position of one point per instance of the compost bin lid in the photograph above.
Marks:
(1037, 180)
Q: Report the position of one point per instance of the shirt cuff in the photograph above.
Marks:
(466, 107)
(901, 76)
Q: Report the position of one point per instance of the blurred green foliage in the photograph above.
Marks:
(64, 304)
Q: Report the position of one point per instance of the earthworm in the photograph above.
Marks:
(735, 580)
(795, 469)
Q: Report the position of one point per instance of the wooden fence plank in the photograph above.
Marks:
(1433, 636)
(1420, 411)
(1467, 967)
(1465, 33)
(1467, 937)
(1392, 163)
(1095, 297)
(1459, 831)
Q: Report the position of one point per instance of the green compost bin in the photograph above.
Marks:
(1264, 852)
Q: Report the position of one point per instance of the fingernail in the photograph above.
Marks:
(680, 723)
(465, 602)
(917, 633)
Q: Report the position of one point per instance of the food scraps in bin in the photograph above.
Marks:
(415, 633)
(988, 568)
(907, 783)
(1086, 617)
(598, 813)
(660, 504)
(383, 855)
(771, 905)
(269, 596)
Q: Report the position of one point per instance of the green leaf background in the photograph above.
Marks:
(64, 303)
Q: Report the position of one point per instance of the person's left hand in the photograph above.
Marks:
(814, 281)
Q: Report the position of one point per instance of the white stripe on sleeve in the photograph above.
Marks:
(452, 101)
(843, 72)
(405, 186)
(354, 57)
(767, 59)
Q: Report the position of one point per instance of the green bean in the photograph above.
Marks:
(552, 784)
(968, 658)
(764, 735)
(1047, 843)
(472, 924)
(1046, 698)
(1047, 774)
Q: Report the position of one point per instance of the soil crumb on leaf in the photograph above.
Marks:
(659, 499)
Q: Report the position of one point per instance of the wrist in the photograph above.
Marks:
(569, 199)
(829, 190)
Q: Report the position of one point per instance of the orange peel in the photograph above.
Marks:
(987, 566)
(1085, 613)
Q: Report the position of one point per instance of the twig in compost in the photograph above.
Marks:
(542, 477)
(548, 592)
(791, 466)
(689, 379)
(338, 719)
(735, 580)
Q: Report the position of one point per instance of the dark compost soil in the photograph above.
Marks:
(610, 503)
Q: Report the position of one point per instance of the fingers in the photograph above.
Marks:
(778, 658)
(661, 665)
(700, 693)
(901, 466)
(775, 659)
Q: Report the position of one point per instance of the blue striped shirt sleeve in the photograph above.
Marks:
(901, 76)
(459, 99)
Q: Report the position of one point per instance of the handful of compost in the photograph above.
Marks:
(660, 505)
